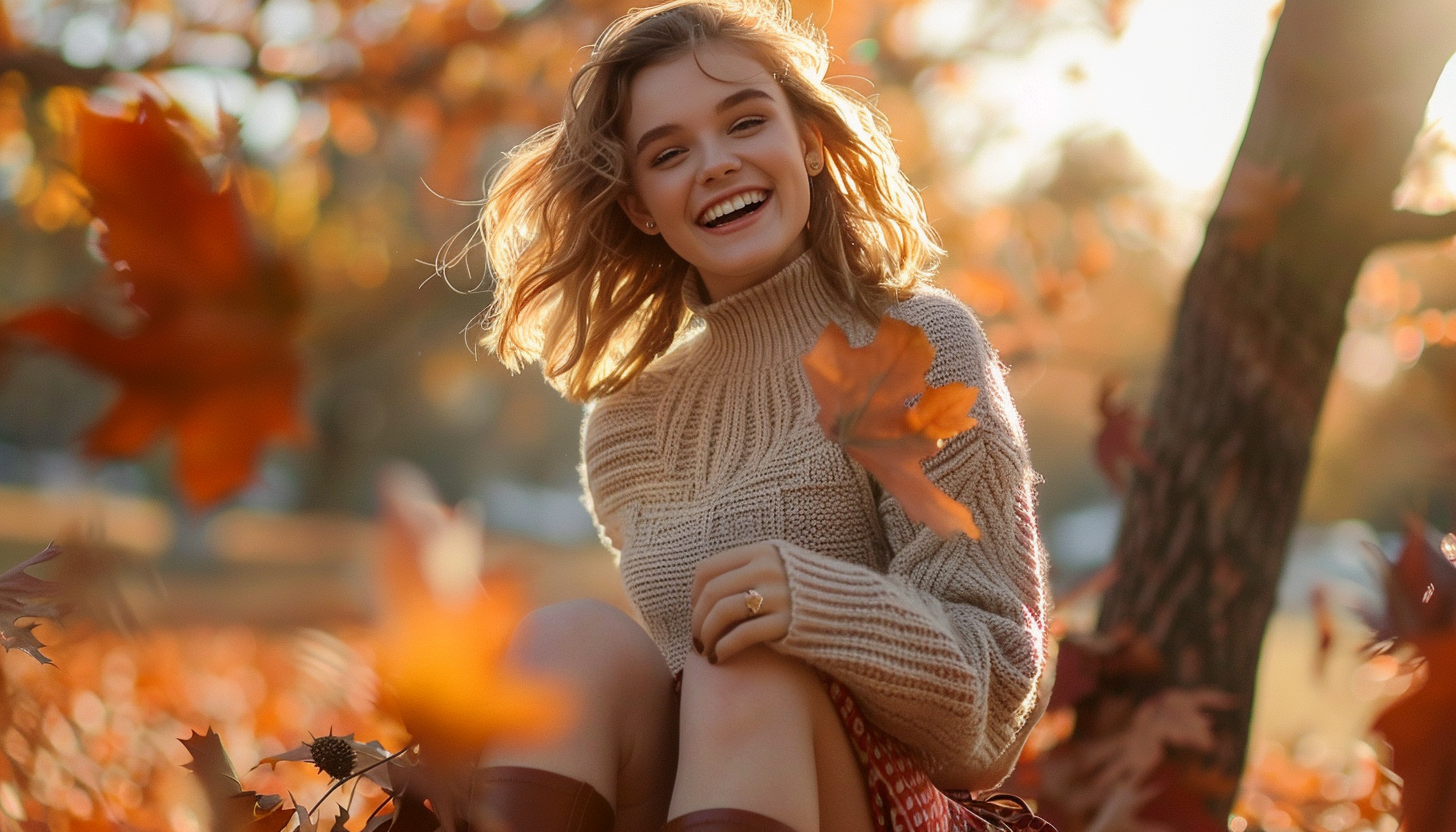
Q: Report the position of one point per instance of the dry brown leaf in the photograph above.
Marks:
(442, 658)
(24, 596)
(233, 809)
(862, 395)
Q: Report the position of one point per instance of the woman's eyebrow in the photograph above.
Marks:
(729, 102)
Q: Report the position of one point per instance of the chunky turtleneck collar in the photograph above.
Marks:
(768, 322)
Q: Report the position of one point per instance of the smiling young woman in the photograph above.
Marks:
(720, 166)
(805, 657)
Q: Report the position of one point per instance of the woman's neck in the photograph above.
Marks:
(720, 286)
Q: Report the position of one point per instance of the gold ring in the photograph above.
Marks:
(753, 600)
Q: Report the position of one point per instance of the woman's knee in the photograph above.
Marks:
(758, 689)
(594, 644)
(583, 629)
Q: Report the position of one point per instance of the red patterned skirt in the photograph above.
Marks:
(902, 797)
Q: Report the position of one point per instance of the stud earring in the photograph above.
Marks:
(650, 225)
(813, 162)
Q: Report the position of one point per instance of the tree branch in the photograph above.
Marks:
(1410, 227)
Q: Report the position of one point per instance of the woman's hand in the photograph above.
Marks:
(722, 623)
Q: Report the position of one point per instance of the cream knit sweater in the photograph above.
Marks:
(715, 445)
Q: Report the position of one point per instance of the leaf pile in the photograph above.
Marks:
(862, 394)
(91, 742)
(1135, 760)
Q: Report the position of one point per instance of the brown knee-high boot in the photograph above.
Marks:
(519, 799)
(724, 820)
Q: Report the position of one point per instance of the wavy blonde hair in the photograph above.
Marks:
(581, 290)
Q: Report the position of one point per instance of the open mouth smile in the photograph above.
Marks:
(733, 208)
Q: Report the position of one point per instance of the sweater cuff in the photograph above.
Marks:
(826, 593)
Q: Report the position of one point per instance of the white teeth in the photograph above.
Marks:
(728, 206)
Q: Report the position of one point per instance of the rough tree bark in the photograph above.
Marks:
(1204, 533)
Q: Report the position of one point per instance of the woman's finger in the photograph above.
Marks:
(732, 610)
(759, 630)
(723, 562)
(722, 586)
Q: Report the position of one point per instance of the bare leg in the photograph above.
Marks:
(624, 741)
(759, 733)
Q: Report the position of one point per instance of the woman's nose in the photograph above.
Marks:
(717, 161)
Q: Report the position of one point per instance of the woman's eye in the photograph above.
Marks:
(665, 156)
(746, 123)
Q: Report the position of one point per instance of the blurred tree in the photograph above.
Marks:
(1206, 526)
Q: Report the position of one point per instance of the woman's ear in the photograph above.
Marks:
(811, 142)
(637, 212)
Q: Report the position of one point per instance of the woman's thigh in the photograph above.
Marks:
(771, 714)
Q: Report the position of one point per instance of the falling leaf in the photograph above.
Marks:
(442, 658)
(210, 358)
(26, 596)
(1117, 442)
(233, 810)
(1254, 202)
(862, 394)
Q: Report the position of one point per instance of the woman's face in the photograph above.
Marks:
(718, 166)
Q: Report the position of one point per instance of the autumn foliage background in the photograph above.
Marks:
(222, 322)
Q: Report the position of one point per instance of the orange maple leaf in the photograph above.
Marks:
(442, 654)
(862, 394)
(211, 358)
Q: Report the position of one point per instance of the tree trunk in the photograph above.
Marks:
(1204, 532)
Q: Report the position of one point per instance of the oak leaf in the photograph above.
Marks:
(209, 356)
(24, 596)
(863, 394)
(233, 809)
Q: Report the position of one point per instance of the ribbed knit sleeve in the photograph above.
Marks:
(945, 648)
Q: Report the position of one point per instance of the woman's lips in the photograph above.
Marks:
(741, 221)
